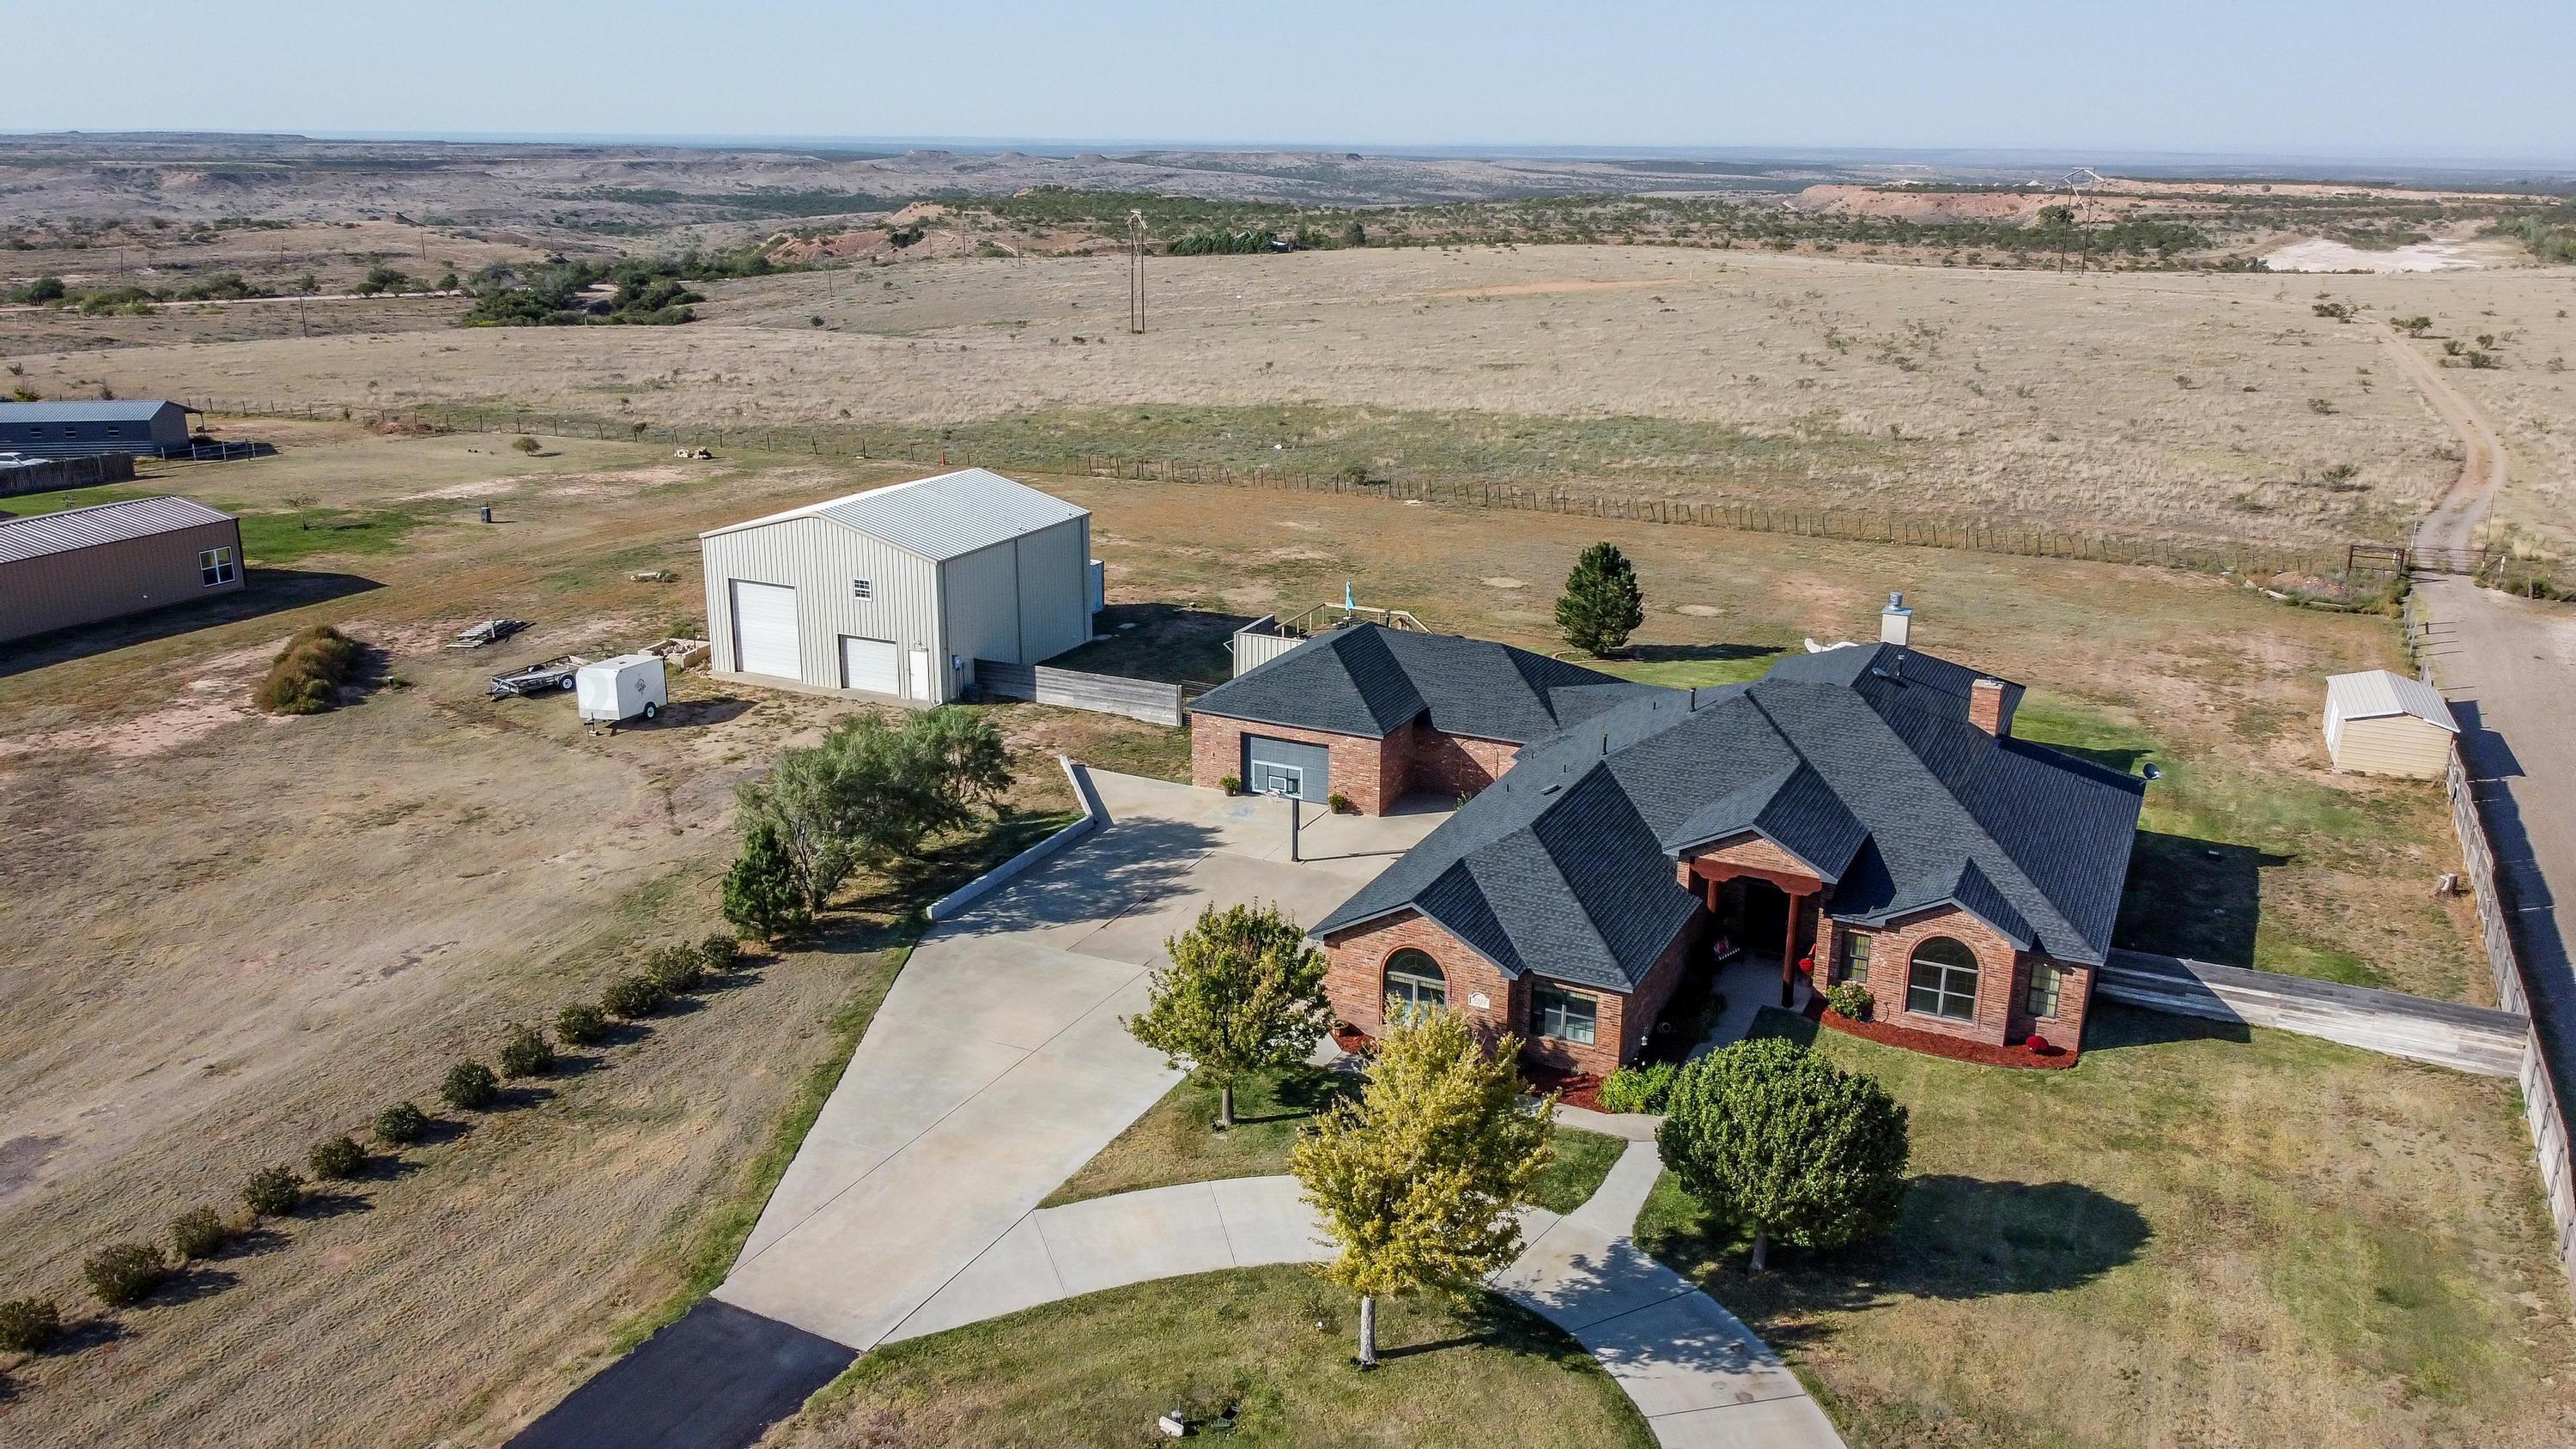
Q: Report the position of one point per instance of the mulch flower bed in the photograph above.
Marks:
(1574, 1089)
(2046, 1058)
(1351, 1039)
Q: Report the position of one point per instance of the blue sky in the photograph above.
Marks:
(2483, 79)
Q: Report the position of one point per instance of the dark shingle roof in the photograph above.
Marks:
(1859, 761)
(1369, 680)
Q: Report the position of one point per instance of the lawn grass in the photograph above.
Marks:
(2186, 1238)
(2230, 862)
(270, 536)
(1174, 1142)
(1275, 1343)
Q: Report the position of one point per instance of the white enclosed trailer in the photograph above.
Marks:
(626, 687)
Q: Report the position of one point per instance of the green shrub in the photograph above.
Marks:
(198, 1233)
(470, 1086)
(336, 1158)
(581, 1025)
(526, 444)
(28, 1324)
(721, 952)
(634, 997)
(125, 1274)
(676, 969)
(1230, 784)
(400, 1123)
(307, 674)
(527, 1053)
(1638, 1089)
(761, 894)
(273, 1191)
(1849, 999)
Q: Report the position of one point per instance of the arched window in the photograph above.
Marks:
(1414, 982)
(1943, 980)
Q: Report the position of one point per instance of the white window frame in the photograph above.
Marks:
(1417, 985)
(1540, 1004)
(215, 566)
(2053, 991)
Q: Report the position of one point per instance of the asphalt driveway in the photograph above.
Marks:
(997, 1065)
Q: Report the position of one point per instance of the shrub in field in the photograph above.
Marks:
(470, 1086)
(526, 444)
(527, 1053)
(400, 1123)
(307, 674)
(581, 1025)
(1849, 999)
(125, 1274)
(27, 1325)
(198, 1233)
(273, 1191)
(721, 952)
(677, 969)
(1638, 1089)
(634, 997)
(336, 1158)
(761, 895)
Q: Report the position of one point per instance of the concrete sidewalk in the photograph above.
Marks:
(1700, 1377)
(997, 1065)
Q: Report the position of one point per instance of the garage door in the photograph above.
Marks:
(1304, 771)
(764, 630)
(869, 664)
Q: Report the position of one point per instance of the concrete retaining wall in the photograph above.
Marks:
(1093, 816)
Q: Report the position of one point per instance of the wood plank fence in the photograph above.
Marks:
(1150, 700)
(2465, 1038)
(55, 474)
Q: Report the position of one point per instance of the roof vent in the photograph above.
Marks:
(1896, 622)
(1551, 789)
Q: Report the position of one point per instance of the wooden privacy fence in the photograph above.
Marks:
(2540, 1101)
(55, 474)
(2446, 1033)
(1146, 699)
(1845, 525)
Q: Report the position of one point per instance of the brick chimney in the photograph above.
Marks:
(1986, 705)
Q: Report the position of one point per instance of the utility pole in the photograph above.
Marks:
(1135, 271)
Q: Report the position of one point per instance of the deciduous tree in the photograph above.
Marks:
(1602, 604)
(1781, 1143)
(1244, 992)
(1418, 1179)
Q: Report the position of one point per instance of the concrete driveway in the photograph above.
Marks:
(997, 1065)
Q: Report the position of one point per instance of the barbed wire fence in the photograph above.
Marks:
(1853, 525)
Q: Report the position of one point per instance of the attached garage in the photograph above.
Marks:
(1286, 766)
(2383, 723)
(896, 592)
(764, 630)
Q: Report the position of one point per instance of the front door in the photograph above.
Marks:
(1286, 767)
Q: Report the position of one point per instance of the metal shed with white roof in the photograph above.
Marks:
(2383, 723)
(899, 590)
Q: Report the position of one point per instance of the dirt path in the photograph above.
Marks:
(2509, 668)
(2454, 520)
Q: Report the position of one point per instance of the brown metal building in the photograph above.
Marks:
(87, 564)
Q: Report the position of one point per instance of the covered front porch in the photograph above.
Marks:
(1758, 914)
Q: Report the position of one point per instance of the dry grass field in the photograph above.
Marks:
(2201, 406)
(257, 932)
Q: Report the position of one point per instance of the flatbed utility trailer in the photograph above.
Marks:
(490, 631)
(555, 673)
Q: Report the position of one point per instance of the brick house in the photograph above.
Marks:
(1865, 809)
(1371, 713)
